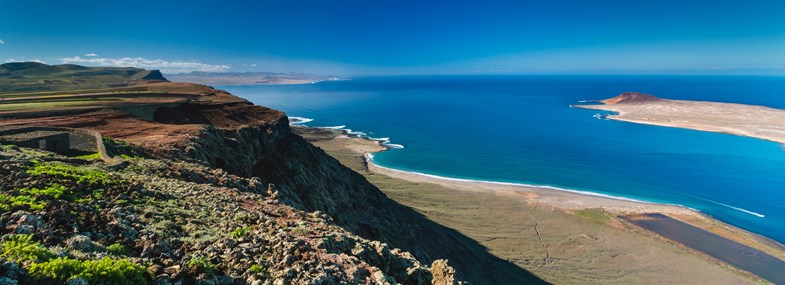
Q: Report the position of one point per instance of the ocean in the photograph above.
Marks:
(522, 129)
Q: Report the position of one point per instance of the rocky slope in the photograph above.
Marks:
(175, 223)
(257, 142)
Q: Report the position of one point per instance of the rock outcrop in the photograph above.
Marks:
(149, 75)
(630, 98)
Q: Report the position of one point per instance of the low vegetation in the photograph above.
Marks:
(103, 271)
(21, 248)
(240, 232)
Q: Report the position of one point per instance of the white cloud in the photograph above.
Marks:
(2, 42)
(91, 54)
(25, 60)
(164, 65)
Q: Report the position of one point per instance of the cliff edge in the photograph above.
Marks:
(242, 143)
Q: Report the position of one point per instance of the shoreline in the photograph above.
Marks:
(551, 195)
(556, 197)
(457, 202)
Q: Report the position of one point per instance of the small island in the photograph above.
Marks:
(737, 119)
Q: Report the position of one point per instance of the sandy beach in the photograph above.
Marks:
(546, 230)
(561, 198)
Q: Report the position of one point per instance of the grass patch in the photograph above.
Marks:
(597, 216)
(20, 248)
(92, 156)
(81, 175)
(102, 271)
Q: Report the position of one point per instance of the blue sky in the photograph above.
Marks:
(402, 37)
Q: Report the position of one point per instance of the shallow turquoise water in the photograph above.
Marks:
(522, 129)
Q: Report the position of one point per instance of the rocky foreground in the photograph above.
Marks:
(152, 220)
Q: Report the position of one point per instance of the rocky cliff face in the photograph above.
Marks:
(259, 143)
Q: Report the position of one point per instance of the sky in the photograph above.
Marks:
(355, 37)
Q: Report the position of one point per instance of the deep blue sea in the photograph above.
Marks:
(522, 129)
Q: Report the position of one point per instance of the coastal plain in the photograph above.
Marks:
(563, 237)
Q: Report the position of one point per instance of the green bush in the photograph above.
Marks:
(19, 248)
(102, 271)
(240, 232)
(117, 249)
(256, 268)
(201, 264)
(55, 191)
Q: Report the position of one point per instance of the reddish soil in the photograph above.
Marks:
(199, 106)
(630, 98)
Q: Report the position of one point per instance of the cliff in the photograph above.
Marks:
(257, 142)
(220, 131)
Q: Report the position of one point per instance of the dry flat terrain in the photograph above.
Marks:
(578, 244)
(743, 120)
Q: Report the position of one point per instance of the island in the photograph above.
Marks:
(737, 119)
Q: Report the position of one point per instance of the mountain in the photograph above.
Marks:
(33, 76)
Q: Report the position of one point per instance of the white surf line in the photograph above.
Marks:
(370, 158)
(737, 208)
(729, 206)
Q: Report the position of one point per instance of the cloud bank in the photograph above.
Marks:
(140, 62)
(24, 60)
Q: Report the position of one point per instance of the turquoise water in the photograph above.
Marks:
(522, 129)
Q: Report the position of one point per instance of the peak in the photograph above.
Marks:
(153, 75)
(630, 98)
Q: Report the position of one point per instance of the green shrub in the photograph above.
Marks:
(240, 232)
(81, 175)
(55, 191)
(31, 202)
(92, 156)
(117, 249)
(102, 271)
(256, 268)
(19, 248)
(201, 264)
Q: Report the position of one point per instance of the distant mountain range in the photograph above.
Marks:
(247, 78)
(33, 76)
